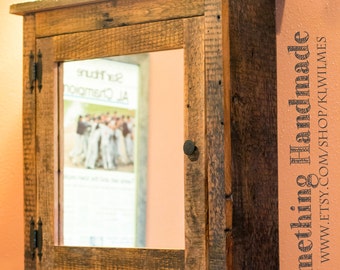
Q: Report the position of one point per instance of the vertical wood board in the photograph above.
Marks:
(254, 134)
(47, 150)
(215, 134)
(29, 128)
(195, 171)
(227, 134)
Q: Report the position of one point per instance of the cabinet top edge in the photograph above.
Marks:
(39, 6)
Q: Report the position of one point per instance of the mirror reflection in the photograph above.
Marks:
(122, 128)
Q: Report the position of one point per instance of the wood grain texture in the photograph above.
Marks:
(227, 134)
(113, 14)
(39, 6)
(133, 39)
(47, 150)
(29, 126)
(117, 259)
(254, 134)
(195, 171)
(215, 120)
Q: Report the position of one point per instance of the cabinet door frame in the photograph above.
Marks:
(171, 34)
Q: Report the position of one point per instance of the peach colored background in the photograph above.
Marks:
(318, 18)
(165, 213)
(11, 189)
(11, 165)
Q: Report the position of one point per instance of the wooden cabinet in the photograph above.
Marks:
(229, 113)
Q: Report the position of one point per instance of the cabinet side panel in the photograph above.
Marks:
(254, 134)
(29, 126)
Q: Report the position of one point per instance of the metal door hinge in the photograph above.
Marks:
(35, 71)
(36, 238)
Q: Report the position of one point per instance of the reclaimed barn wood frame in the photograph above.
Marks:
(230, 111)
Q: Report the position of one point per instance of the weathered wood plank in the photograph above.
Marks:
(195, 171)
(227, 135)
(254, 134)
(112, 14)
(39, 6)
(47, 150)
(123, 259)
(133, 39)
(30, 185)
(215, 119)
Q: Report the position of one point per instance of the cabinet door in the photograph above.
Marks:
(185, 34)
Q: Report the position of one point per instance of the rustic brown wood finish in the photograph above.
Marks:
(254, 129)
(29, 127)
(231, 215)
(195, 129)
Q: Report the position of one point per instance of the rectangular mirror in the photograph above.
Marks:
(121, 151)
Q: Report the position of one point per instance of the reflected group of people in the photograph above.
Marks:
(103, 141)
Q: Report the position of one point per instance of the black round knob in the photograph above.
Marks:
(189, 147)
